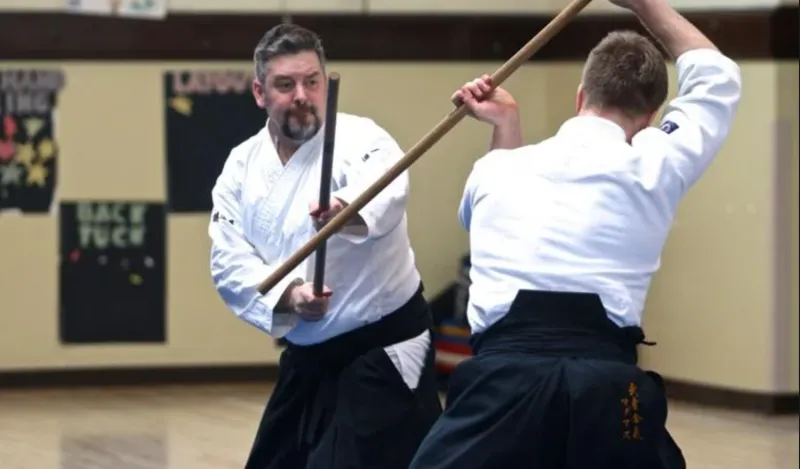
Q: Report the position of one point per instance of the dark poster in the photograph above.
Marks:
(113, 272)
(28, 147)
(208, 113)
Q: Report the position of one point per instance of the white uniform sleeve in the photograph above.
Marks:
(697, 122)
(236, 267)
(385, 212)
(468, 197)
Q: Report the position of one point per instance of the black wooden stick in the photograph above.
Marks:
(327, 170)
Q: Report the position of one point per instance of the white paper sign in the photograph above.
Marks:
(156, 9)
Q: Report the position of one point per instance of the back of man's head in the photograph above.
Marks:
(626, 74)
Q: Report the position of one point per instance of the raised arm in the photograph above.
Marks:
(669, 27)
(385, 212)
(697, 122)
(236, 267)
(496, 107)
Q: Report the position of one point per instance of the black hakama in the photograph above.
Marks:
(553, 385)
(343, 403)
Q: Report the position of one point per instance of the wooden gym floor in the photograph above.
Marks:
(211, 427)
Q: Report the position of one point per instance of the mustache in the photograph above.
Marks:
(302, 109)
(304, 128)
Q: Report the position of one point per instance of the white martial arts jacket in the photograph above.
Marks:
(260, 218)
(584, 211)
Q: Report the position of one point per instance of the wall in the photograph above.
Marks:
(788, 111)
(105, 104)
(713, 307)
(408, 6)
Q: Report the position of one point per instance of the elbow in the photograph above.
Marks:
(231, 291)
(736, 75)
(234, 298)
(728, 89)
(386, 222)
(734, 72)
(244, 306)
(221, 283)
(735, 88)
(217, 269)
(382, 216)
(730, 95)
(397, 207)
(464, 220)
(374, 227)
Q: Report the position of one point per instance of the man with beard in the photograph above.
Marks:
(357, 386)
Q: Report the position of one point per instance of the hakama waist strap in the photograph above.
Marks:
(560, 324)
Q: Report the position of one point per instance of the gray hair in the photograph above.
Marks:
(281, 40)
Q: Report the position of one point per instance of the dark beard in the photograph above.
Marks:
(300, 133)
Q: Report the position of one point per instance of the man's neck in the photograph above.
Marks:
(622, 121)
(284, 146)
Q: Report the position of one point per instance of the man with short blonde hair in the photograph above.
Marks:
(565, 236)
(626, 72)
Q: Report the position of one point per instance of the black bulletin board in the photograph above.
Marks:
(112, 272)
(208, 113)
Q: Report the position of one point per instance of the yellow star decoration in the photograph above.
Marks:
(136, 279)
(33, 126)
(181, 105)
(37, 174)
(25, 154)
(46, 149)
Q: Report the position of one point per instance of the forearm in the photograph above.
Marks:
(670, 28)
(378, 217)
(386, 210)
(356, 222)
(507, 134)
(236, 266)
(236, 274)
(236, 277)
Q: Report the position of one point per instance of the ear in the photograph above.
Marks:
(258, 94)
(579, 99)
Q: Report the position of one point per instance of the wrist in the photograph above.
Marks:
(286, 303)
(356, 220)
(508, 120)
(507, 133)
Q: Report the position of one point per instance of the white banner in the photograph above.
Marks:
(153, 9)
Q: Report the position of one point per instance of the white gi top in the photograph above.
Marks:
(261, 217)
(584, 211)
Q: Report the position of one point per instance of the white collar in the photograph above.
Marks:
(591, 127)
